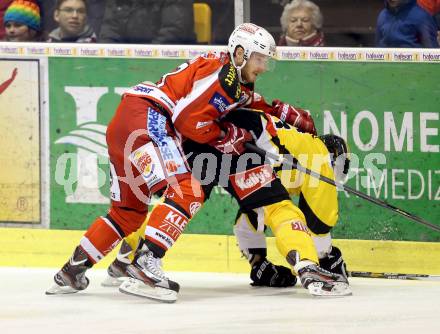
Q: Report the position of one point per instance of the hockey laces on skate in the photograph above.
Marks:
(154, 265)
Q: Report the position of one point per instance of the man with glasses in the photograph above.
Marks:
(71, 16)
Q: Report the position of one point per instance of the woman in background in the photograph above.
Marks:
(301, 23)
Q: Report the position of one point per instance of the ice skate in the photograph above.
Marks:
(117, 270)
(148, 280)
(334, 262)
(321, 282)
(71, 278)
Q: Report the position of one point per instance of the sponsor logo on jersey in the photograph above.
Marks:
(176, 219)
(219, 102)
(159, 160)
(170, 230)
(229, 81)
(143, 162)
(171, 157)
(167, 101)
(171, 166)
(298, 226)
(157, 131)
(147, 162)
(164, 238)
(194, 207)
(165, 151)
(231, 76)
(156, 125)
(142, 89)
(244, 98)
(247, 182)
(164, 234)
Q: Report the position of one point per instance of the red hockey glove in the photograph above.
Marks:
(297, 117)
(233, 141)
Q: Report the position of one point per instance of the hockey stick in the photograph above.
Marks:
(416, 277)
(295, 164)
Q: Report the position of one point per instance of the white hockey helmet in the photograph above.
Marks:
(251, 38)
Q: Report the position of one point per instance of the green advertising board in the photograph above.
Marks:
(389, 113)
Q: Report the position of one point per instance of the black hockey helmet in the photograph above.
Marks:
(340, 154)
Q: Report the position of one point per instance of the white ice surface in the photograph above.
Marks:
(216, 303)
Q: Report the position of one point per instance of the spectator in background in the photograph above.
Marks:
(301, 23)
(4, 4)
(71, 16)
(148, 22)
(95, 13)
(22, 21)
(402, 23)
(433, 8)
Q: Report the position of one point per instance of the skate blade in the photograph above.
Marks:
(339, 289)
(60, 290)
(135, 287)
(112, 282)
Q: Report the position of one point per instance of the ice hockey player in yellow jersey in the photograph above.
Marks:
(302, 232)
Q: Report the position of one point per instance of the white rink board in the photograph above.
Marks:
(216, 303)
(152, 51)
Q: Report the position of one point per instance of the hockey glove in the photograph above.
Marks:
(334, 262)
(233, 141)
(297, 117)
(265, 273)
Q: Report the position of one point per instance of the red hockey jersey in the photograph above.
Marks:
(198, 93)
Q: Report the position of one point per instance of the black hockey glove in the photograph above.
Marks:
(265, 273)
(334, 262)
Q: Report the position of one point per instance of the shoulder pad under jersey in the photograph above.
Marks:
(229, 81)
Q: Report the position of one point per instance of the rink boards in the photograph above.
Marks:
(385, 102)
(217, 253)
